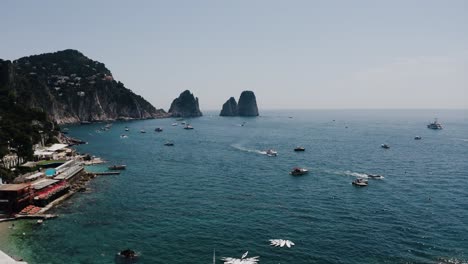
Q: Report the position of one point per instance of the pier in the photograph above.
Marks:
(106, 173)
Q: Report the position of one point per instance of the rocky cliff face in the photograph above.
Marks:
(247, 105)
(230, 108)
(70, 87)
(186, 105)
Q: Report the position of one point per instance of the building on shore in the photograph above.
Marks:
(14, 197)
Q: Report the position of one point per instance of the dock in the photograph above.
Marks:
(107, 173)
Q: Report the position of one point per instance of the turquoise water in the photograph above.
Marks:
(216, 190)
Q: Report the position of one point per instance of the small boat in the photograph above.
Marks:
(299, 149)
(158, 129)
(417, 138)
(435, 125)
(142, 131)
(126, 129)
(385, 146)
(271, 153)
(374, 176)
(175, 124)
(360, 182)
(168, 143)
(243, 124)
(117, 167)
(40, 221)
(188, 126)
(298, 171)
(123, 136)
(128, 254)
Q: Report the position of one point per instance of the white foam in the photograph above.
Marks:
(239, 147)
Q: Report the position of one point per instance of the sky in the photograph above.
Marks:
(293, 54)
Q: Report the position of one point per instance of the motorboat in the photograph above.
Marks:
(298, 171)
(117, 167)
(128, 254)
(158, 129)
(417, 138)
(168, 143)
(435, 125)
(271, 153)
(175, 124)
(40, 221)
(374, 176)
(188, 126)
(126, 129)
(123, 136)
(385, 146)
(360, 182)
(142, 131)
(299, 148)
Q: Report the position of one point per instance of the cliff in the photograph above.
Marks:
(21, 126)
(230, 108)
(70, 88)
(186, 105)
(247, 105)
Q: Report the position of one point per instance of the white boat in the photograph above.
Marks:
(360, 182)
(142, 131)
(271, 153)
(188, 126)
(175, 124)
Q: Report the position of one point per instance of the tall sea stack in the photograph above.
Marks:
(247, 104)
(186, 105)
(230, 108)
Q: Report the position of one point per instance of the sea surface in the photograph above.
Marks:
(217, 190)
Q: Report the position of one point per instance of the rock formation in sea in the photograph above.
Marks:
(70, 88)
(186, 105)
(230, 108)
(247, 105)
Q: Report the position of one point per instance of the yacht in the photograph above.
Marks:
(299, 148)
(360, 182)
(385, 146)
(298, 171)
(271, 153)
(435, 125)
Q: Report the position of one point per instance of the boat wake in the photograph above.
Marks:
(355, 174)
(241, 148)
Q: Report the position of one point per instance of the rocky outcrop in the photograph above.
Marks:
(186, 105)
(247, 106)
(71, 88)
(230, 108)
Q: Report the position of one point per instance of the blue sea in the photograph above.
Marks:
(216, 190)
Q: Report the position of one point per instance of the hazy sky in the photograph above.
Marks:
(292, 54)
